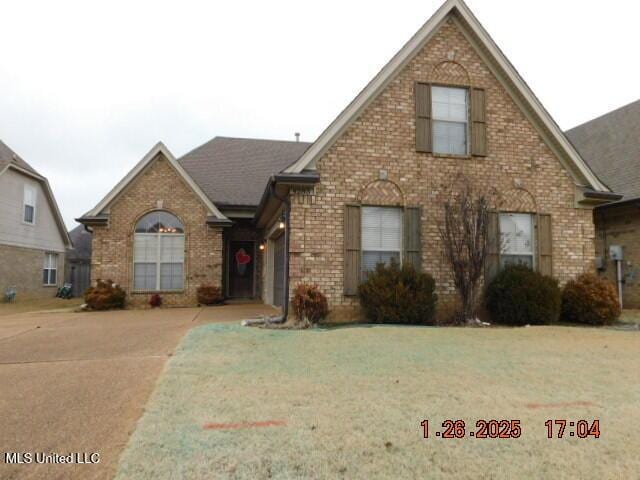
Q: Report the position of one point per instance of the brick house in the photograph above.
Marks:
(33, 237)
(257, 217)
(610, 144)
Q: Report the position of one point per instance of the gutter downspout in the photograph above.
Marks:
(287, 225)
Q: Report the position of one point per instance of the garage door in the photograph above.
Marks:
(278, 271)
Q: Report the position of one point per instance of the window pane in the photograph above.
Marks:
(171, 276)
(145, 248)
(144, 276)
(526, 260)
(159, 222)
(28, 213)
(53, 277)
(449, 104)
(449, 137)
(516, 231)
(371, 259)
(172, 248)
(45, 277)
(381, 228)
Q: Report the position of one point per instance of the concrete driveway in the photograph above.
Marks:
(78, 382)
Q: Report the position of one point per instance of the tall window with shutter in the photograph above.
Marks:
(450, 120)
(378, 234)
(518, 238)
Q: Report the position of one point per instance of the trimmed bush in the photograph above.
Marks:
(155, 300)
(520, 296)
(590, 299)
(105, 296)
(209, 295)
(398, 295)
(309, 304)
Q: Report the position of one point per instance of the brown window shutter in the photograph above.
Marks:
(478, 122)
(544, 241)
(412, 245)
(351, 249)
(492, 259)
(423, 117)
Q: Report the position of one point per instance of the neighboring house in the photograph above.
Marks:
(78, 261)
(257, 216)
(33, 237)
(611, 146)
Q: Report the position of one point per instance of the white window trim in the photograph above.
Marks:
(533, 239)
(47, 267)
(467, 122)
(157, 263)
(34, 190)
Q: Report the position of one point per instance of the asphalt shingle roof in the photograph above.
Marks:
(234, 171)
(8, 156)
(610, 144)
(81, 243)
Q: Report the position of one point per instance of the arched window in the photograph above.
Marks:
(158, 253)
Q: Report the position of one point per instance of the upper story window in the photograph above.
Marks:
(517, 239)
(29, 204)
(450, 113)
(158, 253)
(381, 236)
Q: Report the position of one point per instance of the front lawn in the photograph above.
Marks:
(247, 403)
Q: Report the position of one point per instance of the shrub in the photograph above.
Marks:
(309, 304)
(210, 295)
(105, 296)
(590, 299)
(520, 296)
(392, 294)
(155, 300)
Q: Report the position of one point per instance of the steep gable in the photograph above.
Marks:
(159, 151)
(456, 12)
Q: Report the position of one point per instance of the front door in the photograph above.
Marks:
(241, 271)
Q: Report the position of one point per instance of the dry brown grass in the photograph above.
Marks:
(25, 305)
(351, 401)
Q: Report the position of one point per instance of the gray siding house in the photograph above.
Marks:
(33, 237)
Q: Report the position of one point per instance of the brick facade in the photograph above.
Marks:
(519, 165)
(158, 187)
(28, 277)
(620, 225)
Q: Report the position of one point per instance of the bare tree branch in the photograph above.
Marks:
(463, 233)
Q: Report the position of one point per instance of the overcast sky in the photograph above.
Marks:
(87, 88)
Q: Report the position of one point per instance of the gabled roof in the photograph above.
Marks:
(496, 61)
(8, 156)
(234, 171)
(159, 148)
(11, 160)
(610, 144)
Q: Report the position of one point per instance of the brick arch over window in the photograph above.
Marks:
(450, 72)
(383, 193)
(517, 199)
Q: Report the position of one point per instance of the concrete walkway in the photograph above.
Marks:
(78, 382)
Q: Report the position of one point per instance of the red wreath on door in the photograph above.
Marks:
(242, 260)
